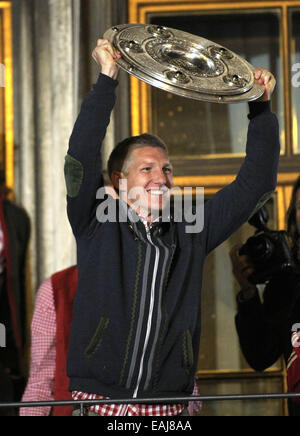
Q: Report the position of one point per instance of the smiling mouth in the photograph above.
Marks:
(158, 192)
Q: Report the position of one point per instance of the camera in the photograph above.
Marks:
(270, 252)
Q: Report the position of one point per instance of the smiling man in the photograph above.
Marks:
(144, 176)
(137, 318)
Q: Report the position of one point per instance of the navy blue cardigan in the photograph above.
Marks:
(137, 317)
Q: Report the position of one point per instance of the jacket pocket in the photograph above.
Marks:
(97, 338)
(188, 352)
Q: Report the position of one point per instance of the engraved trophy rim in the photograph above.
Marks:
(184, 64)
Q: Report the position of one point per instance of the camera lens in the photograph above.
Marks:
(261, 248)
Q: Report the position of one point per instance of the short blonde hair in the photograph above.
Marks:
(120, 156)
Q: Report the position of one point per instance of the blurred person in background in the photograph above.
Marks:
(14, 239)
(265, 328)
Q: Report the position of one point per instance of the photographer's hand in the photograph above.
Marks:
(242, 270)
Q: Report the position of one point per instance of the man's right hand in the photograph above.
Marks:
(105, 56)
(242, 270)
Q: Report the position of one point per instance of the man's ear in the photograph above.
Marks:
(116, 176)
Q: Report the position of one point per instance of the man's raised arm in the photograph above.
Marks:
(83, 164)
(257, 178)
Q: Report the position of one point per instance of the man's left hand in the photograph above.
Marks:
(265, 78)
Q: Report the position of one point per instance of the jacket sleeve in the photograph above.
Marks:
(83, 163)
(261, 326)
(255, 182)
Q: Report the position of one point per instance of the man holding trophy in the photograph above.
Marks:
(137, 317)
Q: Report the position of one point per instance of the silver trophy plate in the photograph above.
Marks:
(184, 64)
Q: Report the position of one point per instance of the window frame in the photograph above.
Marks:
(6, 60)
(142, 11)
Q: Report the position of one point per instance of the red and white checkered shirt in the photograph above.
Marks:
(42, 368)
(43, 352)
(129, 409)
